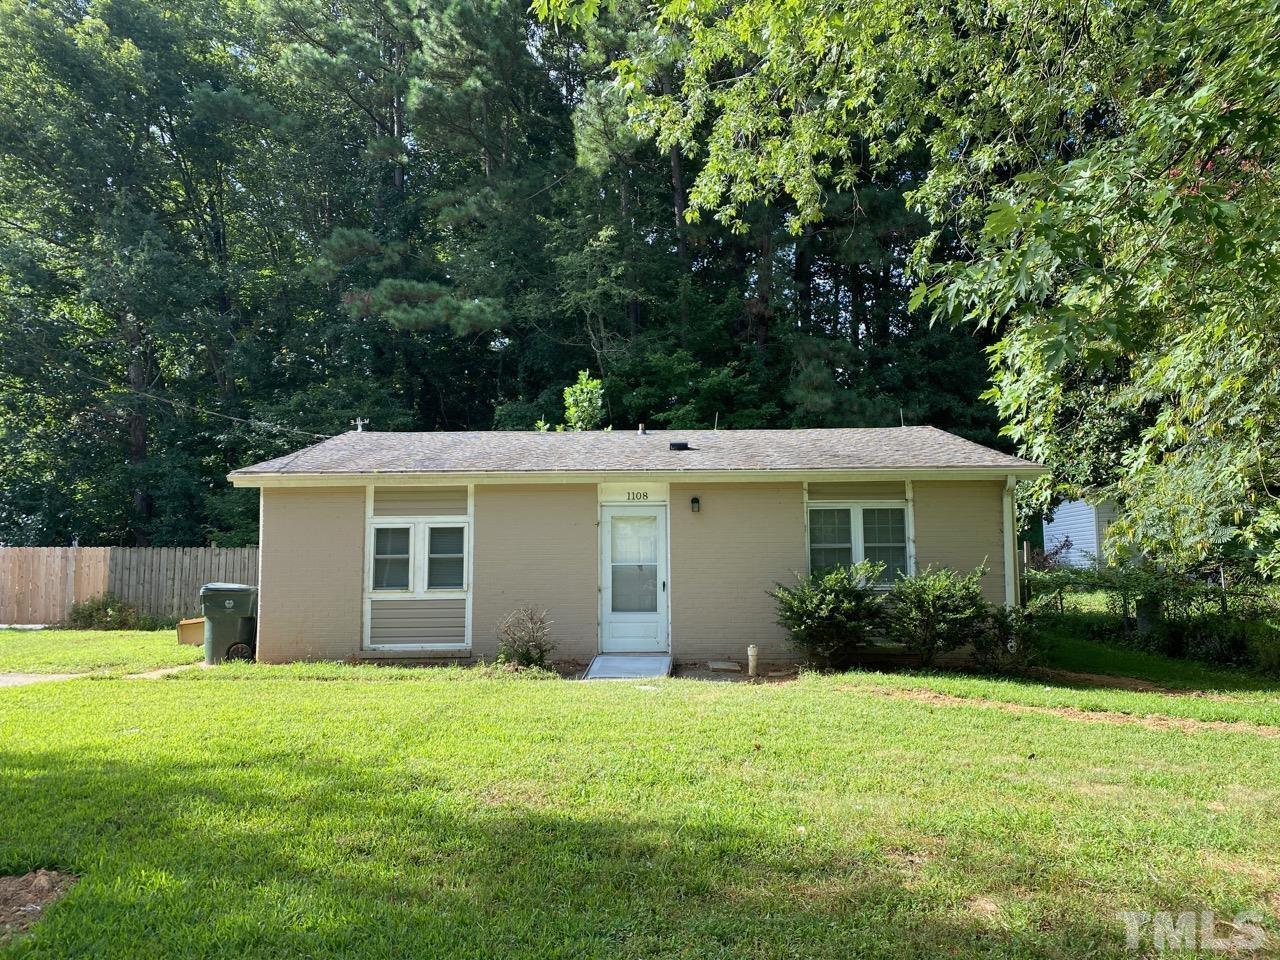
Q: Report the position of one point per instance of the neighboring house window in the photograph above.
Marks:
(420, 557)
(391, 558)
(842, 535)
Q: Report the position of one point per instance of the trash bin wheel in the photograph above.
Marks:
(239, 651)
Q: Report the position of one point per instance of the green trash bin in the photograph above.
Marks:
(230, 621)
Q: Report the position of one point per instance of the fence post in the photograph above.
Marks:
(69, 593)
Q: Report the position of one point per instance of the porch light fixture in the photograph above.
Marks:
(695, 504)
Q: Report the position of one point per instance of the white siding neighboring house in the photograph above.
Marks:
(1084, 525)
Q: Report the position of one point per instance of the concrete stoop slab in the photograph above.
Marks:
(628, 666)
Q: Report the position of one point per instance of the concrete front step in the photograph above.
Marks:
(628, 666)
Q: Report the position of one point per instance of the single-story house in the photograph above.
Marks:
(1084, 526)
(417, 545)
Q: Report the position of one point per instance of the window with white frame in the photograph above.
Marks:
(843, 534)
(392, 558)
(446, 555)
(419, 557)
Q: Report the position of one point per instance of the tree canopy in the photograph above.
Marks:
(1099, 187)
(231, 227)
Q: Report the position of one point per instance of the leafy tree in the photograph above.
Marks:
(1098, 189)
(584, 403)
(227, 229)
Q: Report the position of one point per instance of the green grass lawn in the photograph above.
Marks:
(1067, 651)
(83, 651)
(1065, 648)
(328, 811)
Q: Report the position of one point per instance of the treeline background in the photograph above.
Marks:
(230, 227)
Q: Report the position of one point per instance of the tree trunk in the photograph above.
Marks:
(136, 435)
(803, 277)
(678, 204)
(677, 187)
(760, 307)
(624, 198)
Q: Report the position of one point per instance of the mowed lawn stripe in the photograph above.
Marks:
(322, 813)
(88, 651)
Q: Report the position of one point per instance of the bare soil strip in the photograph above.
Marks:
(1151, 721)
(26, 679)
(1107, 681)
(23, 899)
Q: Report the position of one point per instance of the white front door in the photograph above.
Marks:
(633, 549)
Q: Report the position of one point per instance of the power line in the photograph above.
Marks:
(183, 405)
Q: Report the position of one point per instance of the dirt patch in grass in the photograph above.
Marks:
(23, 899)
(1106, 681)
(983, 908)
(1151, 721)
(1092, 789)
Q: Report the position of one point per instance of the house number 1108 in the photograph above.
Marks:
(637, 494)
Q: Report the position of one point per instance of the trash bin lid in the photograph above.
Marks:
(226, 588)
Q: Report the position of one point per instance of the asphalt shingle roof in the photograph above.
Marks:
(910, 448)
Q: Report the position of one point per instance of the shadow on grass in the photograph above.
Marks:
(1068, 647)
(290, 857)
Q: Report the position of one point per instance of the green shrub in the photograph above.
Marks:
(524, 638)
(1264, 647)
(832, 613)
(112, 613)
(1014, 639)
(1220, 616)
(938, 610)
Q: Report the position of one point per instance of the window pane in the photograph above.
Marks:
(634, 539)
(829, 527)
(822, 559)
(444, 573)
(884, 525)
(635, 587)
(391, 573)
(893, 558)
(391, 542)
(446, 540)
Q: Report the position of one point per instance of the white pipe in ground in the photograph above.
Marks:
(753, 656)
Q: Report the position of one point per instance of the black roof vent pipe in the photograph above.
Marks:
(678, 445)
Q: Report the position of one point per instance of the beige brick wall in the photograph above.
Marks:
(873, 490)
(419, 501)
(960, 524)
(724, 559)
(312, 571)
(537, 544)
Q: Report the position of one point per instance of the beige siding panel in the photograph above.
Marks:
(310, 602)
(879, 490)
(536, 544)
(419, 501)
(745, 539)
(960, 524)
(417, 621)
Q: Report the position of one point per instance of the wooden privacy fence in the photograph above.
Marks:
(39, 584)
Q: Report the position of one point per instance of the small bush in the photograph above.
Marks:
(1013, 640)
(524, 638)
(829, 615)
(1045, 561)
(1219, 615)
(112, 613)
(938, 610)
(1264, 647)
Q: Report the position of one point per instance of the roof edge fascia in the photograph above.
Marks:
(421, 479)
